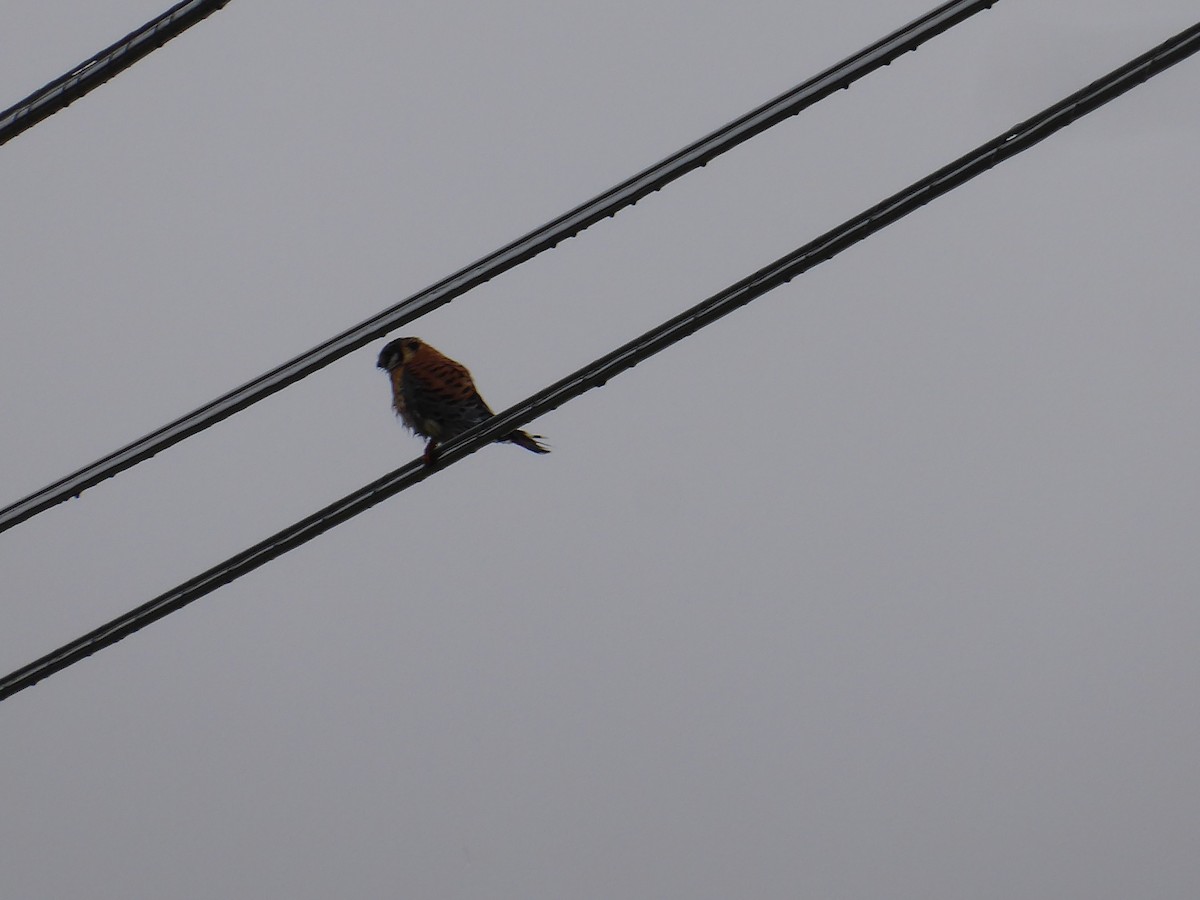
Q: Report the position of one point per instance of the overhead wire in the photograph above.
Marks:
(608, 203)
(1013, 141)
(99, 68)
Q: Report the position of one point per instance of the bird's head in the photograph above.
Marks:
(398, 352)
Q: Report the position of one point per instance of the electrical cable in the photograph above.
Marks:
(828, 245)
(112, 60)
(628, 192)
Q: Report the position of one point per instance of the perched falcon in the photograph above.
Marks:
(435, 396)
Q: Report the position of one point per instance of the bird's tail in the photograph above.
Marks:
(528, 441)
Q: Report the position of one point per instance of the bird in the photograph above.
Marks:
(436, 397)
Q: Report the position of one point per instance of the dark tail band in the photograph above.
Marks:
(528, 441)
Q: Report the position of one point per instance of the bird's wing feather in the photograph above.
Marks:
(440, 393)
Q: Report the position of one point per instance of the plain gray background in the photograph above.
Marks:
(885, 586)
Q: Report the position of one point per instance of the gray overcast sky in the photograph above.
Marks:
(885, 586)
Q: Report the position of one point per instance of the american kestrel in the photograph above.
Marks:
(435, 396)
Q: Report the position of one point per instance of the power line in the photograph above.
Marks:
(828, 245)
(569, 224)
(93, 72)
